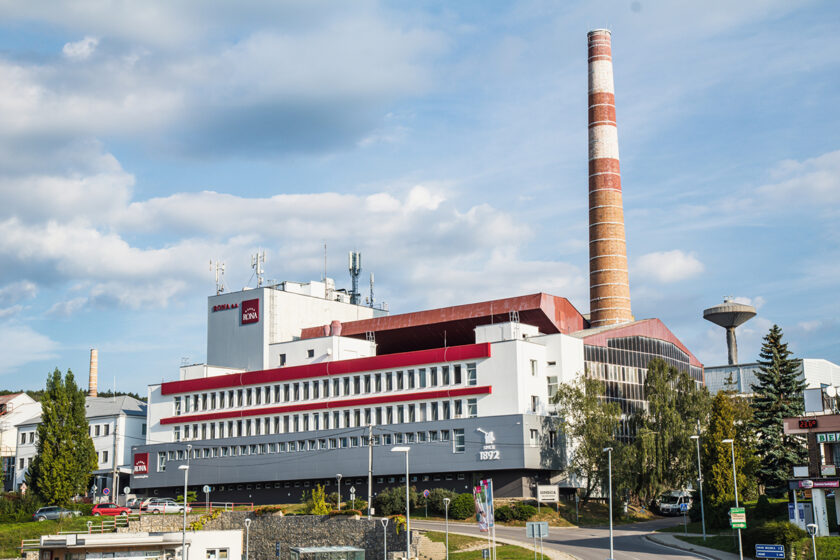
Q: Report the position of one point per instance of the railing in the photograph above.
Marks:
(199, 507)
(30, 544)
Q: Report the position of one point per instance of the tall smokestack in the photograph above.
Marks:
(94, 370)
(609, 286)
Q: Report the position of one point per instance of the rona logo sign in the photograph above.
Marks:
(141, 463)
(250, 311)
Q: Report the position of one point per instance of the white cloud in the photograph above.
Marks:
(667, 266)
(80, 50)
(67, 308)
(812, 181)
(17, 291)
(809, 326)
(20, 345)
(757, 302)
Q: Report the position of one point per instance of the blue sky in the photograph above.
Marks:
(446, 141)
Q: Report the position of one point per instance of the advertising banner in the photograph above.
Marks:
(250, 311)
(141, 463)
(480, 509)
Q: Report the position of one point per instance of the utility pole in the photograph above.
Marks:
(115, 482)
(370, 468)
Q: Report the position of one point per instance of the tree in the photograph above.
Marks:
(664, 451)
(778, 395)
(590, 424)
(729, 420)
(66, 456)
(316, 503)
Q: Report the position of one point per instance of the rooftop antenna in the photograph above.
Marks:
(354, 265)
(219, 267)
(370, 300)
(257, 263)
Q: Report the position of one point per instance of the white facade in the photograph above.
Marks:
(236, 341)
(201, 545)
(14, 411)
(816, 373)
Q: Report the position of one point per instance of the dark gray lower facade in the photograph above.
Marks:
(516, 451)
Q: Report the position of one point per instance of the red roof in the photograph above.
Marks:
(450, 326)
(651, 328)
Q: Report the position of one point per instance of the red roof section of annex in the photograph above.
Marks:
(451, 326)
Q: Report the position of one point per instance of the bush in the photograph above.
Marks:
(191, 497)
(524, 512)
(315, 502)
(505, 513)
(85, 509)
(764, 509)
(263, 510)
(774, 532)
(348, 512)
(391, 501)
(436, 497)
(15, 507)
(827, 547)
(462, 507)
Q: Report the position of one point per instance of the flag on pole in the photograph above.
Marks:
(488, 502)
(480, 508)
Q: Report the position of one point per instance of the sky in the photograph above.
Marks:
(446, 141)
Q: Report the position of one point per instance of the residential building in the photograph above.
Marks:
(14, 410)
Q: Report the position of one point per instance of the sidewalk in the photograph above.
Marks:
(669, 539)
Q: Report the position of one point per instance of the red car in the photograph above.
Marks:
(110, 509)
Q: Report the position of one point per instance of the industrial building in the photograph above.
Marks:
(303, 382)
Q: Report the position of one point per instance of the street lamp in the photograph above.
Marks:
(186, 469)
(247, 536)
(700, 483)
(812, 530)
(384, 522)
(405, 449)
(608, 451)
(731, 443)
(446, 513)
(338, 478)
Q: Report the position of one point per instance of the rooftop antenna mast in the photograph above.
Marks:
(354, 265)
(257, 263)
(370, 300)
(219, 268)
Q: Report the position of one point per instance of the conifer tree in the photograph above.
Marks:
(778, 395)
(66, 456)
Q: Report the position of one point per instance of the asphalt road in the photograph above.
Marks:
(586, 543)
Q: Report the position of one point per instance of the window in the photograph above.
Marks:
(459, 443)
(177, 406)
(459, 408)
(534, 368)
(410, 375)
(552, 438)
(552, 386)
(446, 411)
(346, 386)
(357, 385)
(377, 383)
(535, 438)
(472, 408)
(217, 554)
(143, 429)
(472, 375)
(435, 411)
(310, 353)
(444, 435)
(535, 403)
(400, 415)
(422, 374)
(286, 392)
(389, 382)
(23, 437)
(399, 381)
(457, 371)
(326, 386)
(96, 430)
(258, 399)
(282, 360)
(367, 383)
(444, 372)
(161, 462)
(433, 377)
(316, 387)
(305, 391)
(22, 463)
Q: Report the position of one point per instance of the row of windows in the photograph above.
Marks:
(335, 419)
(455, 436)
(326, 483)
(300, 391)
(27, 436)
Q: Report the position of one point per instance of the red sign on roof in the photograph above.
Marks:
(250, 311)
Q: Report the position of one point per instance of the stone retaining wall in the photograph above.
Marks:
(293, 530)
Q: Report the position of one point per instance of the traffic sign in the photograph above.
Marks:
(127, 490)
(205, 489)
(426, 493)
(106, 491)
(683, 507)
(548, 493)
(536, 529)
(769, 551)
(738, 518)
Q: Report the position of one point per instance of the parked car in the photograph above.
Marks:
(159, 505)
(54, 512)
(110, 509)
(134, 503)
(670, 502)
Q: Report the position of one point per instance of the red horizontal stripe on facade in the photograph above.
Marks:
(324, 369)
(366, 401)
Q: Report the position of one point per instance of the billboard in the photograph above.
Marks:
(141, 463)
(250, 311)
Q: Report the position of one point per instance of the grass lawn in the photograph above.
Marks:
(726, 543)
(12, 533)
(457, 544)
(693, 527)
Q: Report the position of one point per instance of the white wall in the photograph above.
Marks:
(159, 406)
(324, 349)
(20, 409)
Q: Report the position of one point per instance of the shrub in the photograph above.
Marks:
(524, 512)
(191, 497)
(436, 497)
(391, 501)
(505, 513)
(264, 510)
(316, 503)
(15, 507)
(764, 509)
(462, 506)
(775, 532)
(85, 509)
(399, 522)
(348, 512)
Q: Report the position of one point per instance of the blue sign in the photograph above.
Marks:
(769, 551)
(277, 550)
(683, 508)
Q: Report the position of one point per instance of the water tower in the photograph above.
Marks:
(729, 315)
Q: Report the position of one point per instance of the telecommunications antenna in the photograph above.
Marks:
(257, 263)
(219, 268)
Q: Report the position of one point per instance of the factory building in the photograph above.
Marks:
(302, 384)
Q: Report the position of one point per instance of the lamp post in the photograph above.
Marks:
(247, 536)
(731, 443)
(812, 530)
(405, 449)
(186, 469)
(700, 484)
(338, 479)
(446, 514)
(384, 522)
(608, 451)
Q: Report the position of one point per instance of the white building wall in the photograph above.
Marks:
(324, 349)
(19, 410)
(159, 406)
(27, 448)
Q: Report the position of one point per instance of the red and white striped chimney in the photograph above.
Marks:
(609, 285)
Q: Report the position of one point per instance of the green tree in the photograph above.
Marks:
(664, 453)
(66, 456)
(589, 423)
(726, 423)
(316, 503)
(778, 395)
